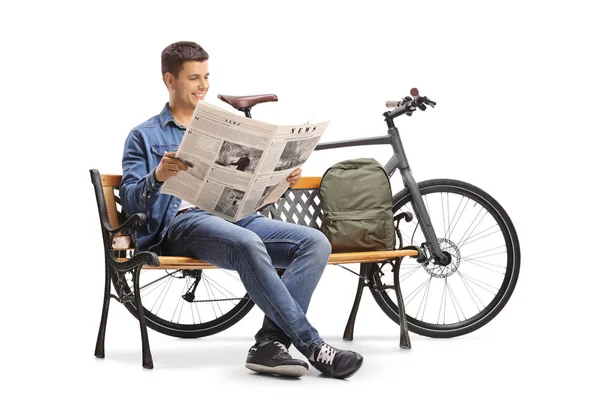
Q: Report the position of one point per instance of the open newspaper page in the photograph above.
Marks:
(236, 164)
(289, 150)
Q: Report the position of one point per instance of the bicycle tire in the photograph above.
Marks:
(460, 270)
(185, 326)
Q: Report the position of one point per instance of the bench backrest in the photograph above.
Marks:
(299, 205)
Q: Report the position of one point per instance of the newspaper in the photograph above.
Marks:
(237, 165)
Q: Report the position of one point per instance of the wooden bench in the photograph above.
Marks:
(299, 205)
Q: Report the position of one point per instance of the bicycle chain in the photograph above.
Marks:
(205, 301)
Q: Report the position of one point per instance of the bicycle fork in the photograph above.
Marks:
(439, 257)
(399, 161)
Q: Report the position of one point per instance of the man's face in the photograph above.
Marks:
(190, 85)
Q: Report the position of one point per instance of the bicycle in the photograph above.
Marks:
(476, 257)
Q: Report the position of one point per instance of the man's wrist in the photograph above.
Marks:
(155, 184)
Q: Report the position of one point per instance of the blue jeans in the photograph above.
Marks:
(254, 247)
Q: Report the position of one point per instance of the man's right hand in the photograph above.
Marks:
(168, 166)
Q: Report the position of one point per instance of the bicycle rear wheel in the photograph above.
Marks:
(452, 300)
(187, 303)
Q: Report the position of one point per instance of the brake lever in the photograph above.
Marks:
(405, 101)
(429, 102)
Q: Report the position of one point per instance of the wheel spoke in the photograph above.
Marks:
(424, 299)
(463, 239)
(162, 296)
(415, 269)
(480, 264)
(218, 288)
(212, 303)
(415, 292)
(472, 293)
(484, 255)
(443, 213)
(451, 231)
(442, 305)
(456, 304)
(480, 235)
(152, 285)
(479, 283)
(180, 301)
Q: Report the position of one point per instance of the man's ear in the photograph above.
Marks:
(169, 80)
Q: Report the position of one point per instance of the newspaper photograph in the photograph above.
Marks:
(238, 165)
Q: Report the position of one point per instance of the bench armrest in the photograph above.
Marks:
(138, 219)
(139, 259)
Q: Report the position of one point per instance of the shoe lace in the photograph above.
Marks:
(281, 346)
(326, 354)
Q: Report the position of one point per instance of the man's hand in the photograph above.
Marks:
(294, 177)
(169, 166)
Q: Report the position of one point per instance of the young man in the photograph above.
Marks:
(253, 246)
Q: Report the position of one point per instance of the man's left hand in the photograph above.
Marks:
(294, 177)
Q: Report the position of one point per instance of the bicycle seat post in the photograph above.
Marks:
(246, 111)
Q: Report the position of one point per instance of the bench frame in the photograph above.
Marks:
(299, 205)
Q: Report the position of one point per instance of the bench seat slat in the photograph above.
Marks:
(306, 182)
(174, 262)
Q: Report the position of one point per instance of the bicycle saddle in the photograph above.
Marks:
(239, 102)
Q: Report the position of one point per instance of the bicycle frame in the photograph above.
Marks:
(399, 162)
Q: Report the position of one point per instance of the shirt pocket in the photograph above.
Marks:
(159, 150)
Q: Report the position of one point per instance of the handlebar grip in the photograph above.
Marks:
(393, 104)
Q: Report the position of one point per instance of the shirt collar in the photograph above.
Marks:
(166, 116)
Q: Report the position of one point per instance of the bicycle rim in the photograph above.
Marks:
(219, 300)
(465, 295)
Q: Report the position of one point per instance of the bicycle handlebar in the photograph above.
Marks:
(410, 104)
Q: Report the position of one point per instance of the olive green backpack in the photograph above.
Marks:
(356, 200)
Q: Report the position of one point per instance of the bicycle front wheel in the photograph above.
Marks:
(187, 303)
(453, 300)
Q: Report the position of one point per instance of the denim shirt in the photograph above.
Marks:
(139, 191)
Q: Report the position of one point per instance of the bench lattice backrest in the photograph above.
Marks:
(299, 206)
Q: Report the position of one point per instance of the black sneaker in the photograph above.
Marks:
(272, 357)
(335, 362)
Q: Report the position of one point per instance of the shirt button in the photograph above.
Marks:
(174, 205)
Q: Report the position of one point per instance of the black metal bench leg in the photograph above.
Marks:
(99, 352)
(349, 331)
(404, 338)
(146, 355)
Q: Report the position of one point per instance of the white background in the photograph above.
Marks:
(516, 84)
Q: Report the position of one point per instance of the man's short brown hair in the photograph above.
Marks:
(174, 55)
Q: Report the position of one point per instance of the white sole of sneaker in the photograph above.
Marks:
(294, 371)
